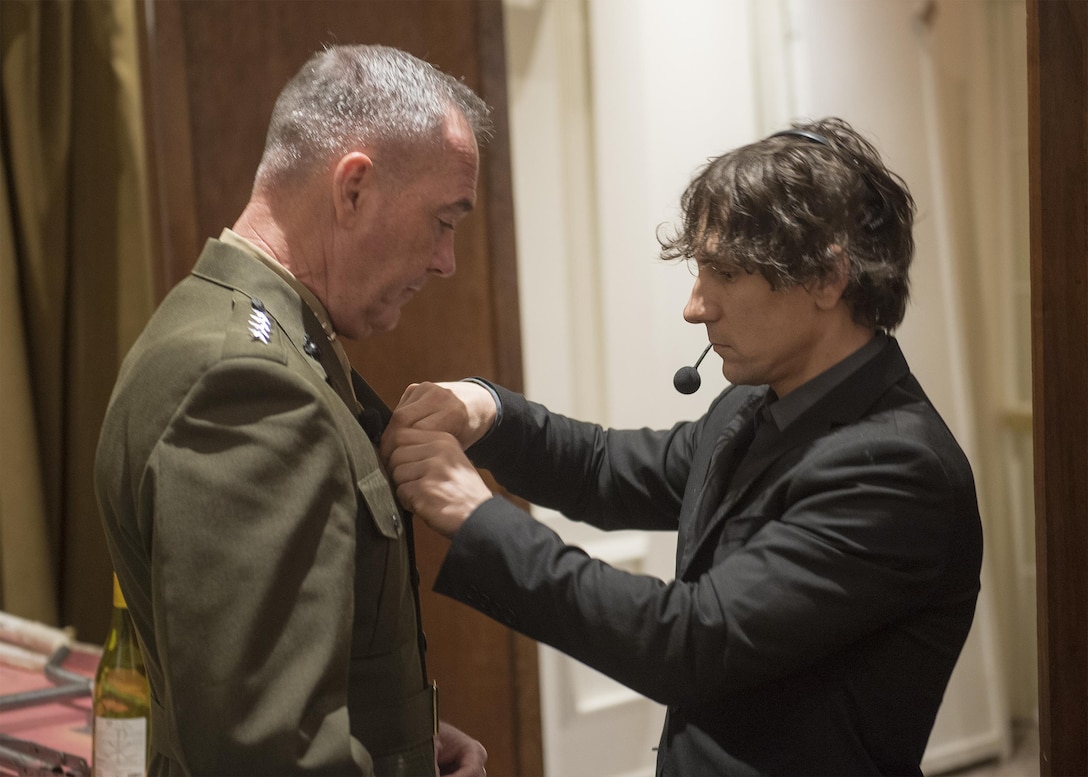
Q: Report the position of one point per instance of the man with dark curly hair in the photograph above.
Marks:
(829, 541)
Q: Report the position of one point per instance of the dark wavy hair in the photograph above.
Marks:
(791, 205)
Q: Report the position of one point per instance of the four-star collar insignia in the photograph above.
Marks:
(260, 327)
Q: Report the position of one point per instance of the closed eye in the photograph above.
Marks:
(725, 273)
(723, 270)
(451, 214)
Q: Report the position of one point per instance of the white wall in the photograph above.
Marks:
(657, 117)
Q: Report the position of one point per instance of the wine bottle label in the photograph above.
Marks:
(120, 747)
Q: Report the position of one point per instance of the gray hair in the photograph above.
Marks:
(377, 96)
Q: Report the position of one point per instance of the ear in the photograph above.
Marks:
(829, 291)
(351, 177)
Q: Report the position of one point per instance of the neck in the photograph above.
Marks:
(838, 343)
(257, 225)
(285, 232)
(852, 338)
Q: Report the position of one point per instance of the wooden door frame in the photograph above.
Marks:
(1058, 158)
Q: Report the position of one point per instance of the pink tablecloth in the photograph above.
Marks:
(63, 725)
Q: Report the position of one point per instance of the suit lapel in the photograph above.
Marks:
(844, 404)
(719, 475)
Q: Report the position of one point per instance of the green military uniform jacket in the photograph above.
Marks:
(265, 562)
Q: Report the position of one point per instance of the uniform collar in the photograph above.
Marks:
(233, 239)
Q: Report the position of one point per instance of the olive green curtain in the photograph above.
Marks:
(76, 289)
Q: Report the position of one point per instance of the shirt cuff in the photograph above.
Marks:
(498, 405)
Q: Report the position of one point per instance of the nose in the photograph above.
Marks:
(443, 262)
(697, 310)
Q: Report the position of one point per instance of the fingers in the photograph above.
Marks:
(435, 480)
(422, 448)
(429, 406)
(418, 465)
(465, 409)
(417, 414)
(409, 445)
(457, 754)
(406, 395)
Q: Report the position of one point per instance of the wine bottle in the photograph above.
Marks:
(122, 701)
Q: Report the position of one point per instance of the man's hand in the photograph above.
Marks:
(462, 408)
(434, 478)
(457, 754)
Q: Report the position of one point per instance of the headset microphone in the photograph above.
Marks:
(687, 380)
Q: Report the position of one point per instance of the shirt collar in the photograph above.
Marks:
(789, 408)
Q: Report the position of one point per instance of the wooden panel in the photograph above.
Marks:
(1058, 139)
(215, 68)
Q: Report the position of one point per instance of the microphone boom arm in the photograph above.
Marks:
(687, 380)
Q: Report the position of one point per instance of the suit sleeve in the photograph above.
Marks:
(612, 479)
(253, 551)
(853, 540)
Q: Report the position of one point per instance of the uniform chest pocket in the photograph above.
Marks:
(378, 496)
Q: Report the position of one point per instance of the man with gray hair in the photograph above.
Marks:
(267, 566)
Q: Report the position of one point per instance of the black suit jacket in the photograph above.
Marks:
(819, 605)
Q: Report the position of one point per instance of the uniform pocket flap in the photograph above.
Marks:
(379, 500)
